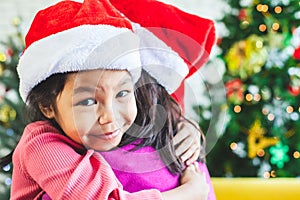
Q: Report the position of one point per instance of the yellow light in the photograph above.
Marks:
(275, 26)
(259, 44)
(237, 109)
(245, 24)
(262, 27)
(259, 7)
(249, 97)
(289, 109)
(273, 173)
(2, 57)
(233, 146)
(278, 9)
(16, 21)
(296, 155)
(1, 69)
(265, 8)
(271, 117)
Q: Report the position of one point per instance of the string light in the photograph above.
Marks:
(8, 181)
(275, 26)
(265, 111)
(266, 175)
(260, 153)
(249, 97)
(257, 97)
(6, 168)
(289, 109)
(245, 24)
(237, 109)
(278, 9)
(296, 154)
(262, 27)
(259, 7)
(265, 8)
(273, 173)
(259, 44)
(271, 117)
(262, 8)
(233, 146)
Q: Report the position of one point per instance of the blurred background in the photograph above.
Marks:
(246, 98)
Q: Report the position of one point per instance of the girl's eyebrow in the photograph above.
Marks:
(83, 89)
(125, 81)
(92, 89)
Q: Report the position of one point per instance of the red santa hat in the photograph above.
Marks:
(72, 36)
(191, 36)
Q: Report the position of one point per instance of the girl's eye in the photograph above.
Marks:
(87, 102)
(122, 93)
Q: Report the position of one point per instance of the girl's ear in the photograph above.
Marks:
(47, 111)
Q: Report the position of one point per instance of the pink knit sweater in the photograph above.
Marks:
(46, 161)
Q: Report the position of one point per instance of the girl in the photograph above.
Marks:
(81, 111)
(84, 113)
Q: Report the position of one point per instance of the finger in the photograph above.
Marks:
(181, 135)
(185, 145)
(192, 158)
(185, 129)
(189, 153)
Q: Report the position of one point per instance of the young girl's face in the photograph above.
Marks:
(96, 107)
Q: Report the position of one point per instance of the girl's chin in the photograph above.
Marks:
(104, 145)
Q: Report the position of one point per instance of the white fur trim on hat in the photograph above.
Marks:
(85, 47)
(160, 61)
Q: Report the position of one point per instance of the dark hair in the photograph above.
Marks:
(44, 93)
(156, 122)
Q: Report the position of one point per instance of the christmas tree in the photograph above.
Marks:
(260, 50)
(11, 104)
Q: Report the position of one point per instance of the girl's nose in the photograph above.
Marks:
(106, 115)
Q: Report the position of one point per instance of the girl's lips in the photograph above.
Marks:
(108, 135)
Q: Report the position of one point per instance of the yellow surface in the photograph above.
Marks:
(257, 188)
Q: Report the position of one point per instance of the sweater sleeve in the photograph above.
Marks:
(50, 160)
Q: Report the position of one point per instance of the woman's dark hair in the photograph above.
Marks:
(156, 122)
(45, 93)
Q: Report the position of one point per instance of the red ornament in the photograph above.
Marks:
(242, 14)
(10, 52)
(294, 90)
(296, 54)
(219, 41)
(235, 90)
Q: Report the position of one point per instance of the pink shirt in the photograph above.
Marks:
(46, 161)
(143, 169)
